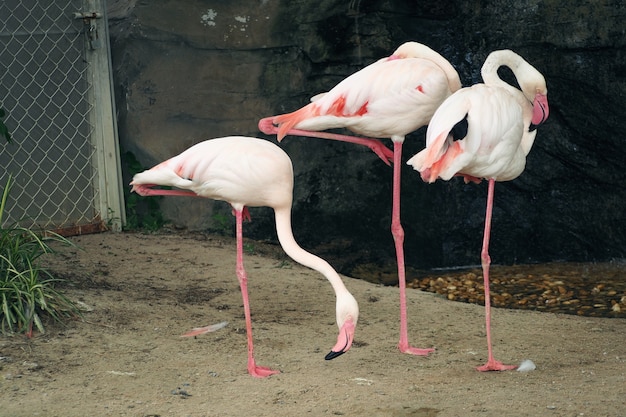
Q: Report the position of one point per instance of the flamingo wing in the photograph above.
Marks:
(442, 148)
(389, 97)
(206, 169)
(490, 148)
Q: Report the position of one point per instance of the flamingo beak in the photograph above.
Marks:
(344, 340)
(540, 109)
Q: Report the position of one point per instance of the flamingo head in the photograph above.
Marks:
(347, 317)
(533, 85)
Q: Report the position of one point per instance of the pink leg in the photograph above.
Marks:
(253, 369)
(492, 364)
(398, 236)
(266, 126)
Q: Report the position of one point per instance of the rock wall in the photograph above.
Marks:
(188, 71)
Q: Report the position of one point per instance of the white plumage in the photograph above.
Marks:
(247, 172)
(387, 99)
(485, 132)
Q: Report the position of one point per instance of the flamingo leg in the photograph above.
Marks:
(378, 147)
(492, 364)
(253, 368)
(398, 236)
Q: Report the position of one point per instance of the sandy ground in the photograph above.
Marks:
(126, 356)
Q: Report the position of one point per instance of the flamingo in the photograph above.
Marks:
(387, 99)
(245, 172)
(485, 132)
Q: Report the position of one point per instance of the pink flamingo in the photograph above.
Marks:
(246, 172)
(486, 131)
(387, 99)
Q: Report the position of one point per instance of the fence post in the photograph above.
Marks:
(109, 179)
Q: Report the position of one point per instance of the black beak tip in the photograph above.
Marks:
(333, 355)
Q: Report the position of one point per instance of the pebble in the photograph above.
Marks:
(181, 392)
(568, 288)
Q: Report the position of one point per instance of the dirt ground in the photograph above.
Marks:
(126, 356)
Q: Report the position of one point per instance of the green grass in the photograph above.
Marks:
(27, 293)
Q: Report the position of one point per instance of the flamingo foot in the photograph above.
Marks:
(494, 365)
(405, 348)
(344, 340)
(260, 371)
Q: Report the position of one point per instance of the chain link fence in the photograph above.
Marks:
(64, 162)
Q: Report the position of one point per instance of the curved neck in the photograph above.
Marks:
(529, 79)
(418, 50)
(497, 59)
(454, 82)
(291, 248)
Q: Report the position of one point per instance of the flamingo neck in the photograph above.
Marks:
(418, 50)
(529, 79)
(454, 82)
(295, 252)
(496, 60)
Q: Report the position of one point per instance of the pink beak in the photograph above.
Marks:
(344, 340)
(540, 109)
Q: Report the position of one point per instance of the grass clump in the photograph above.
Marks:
(27, 292)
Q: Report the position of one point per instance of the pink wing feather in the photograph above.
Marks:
(389, 97)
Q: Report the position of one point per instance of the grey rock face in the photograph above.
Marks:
(187, 72)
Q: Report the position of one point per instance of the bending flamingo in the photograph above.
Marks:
(246, 172)
(387, 99)
(486, 131)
